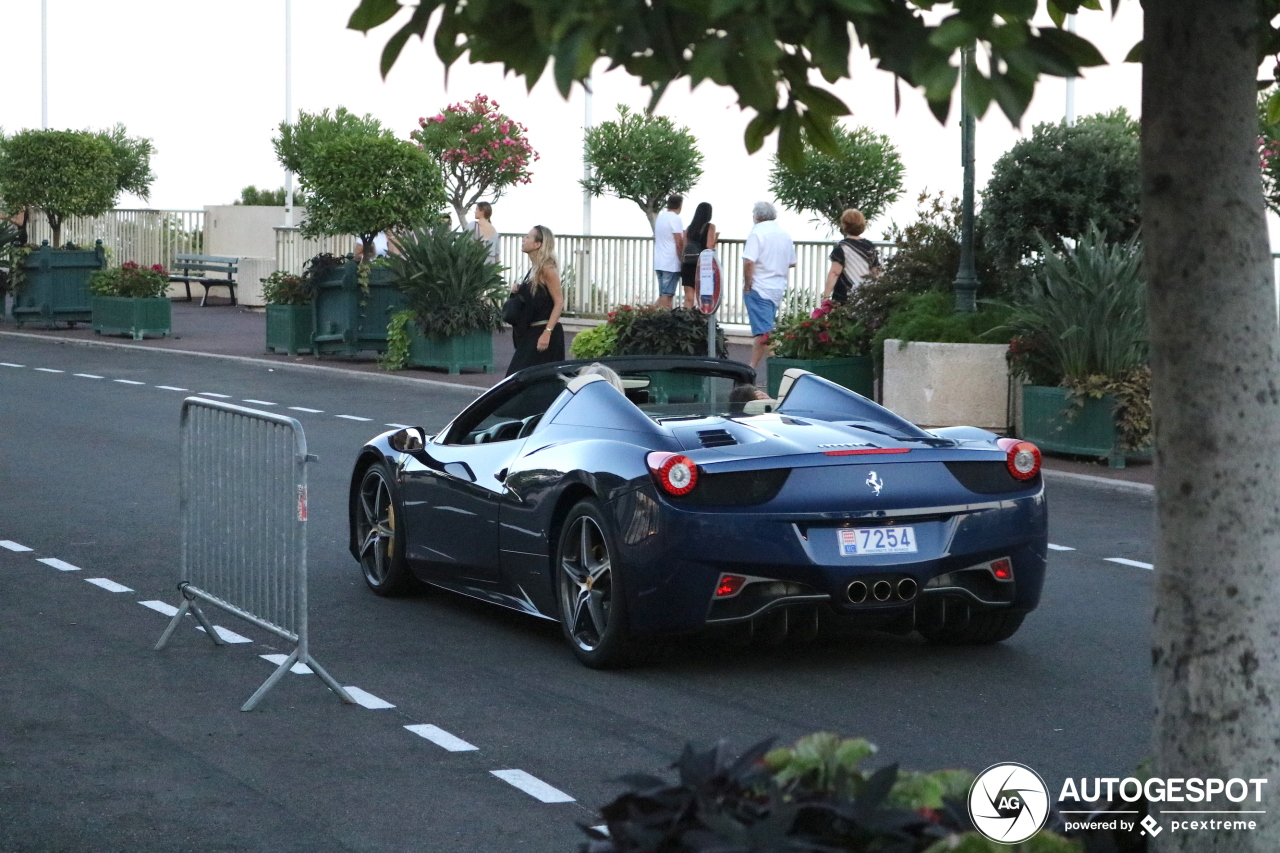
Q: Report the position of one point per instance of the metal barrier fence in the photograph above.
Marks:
(293, 250)
(243, 502)
(145, 237)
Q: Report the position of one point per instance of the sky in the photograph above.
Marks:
(205, 82)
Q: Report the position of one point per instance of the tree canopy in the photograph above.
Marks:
(866, 175)
(641, 158)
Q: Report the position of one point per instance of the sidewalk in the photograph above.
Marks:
(221, 329)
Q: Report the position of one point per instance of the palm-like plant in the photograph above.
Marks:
(451, 287)
(1084, 313)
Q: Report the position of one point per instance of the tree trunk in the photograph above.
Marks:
(459, 209)
(55, 225)
(653, 217)
(1216, 393)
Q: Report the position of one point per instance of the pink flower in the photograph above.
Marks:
(476, 129)
(824, 338)
(504, 127)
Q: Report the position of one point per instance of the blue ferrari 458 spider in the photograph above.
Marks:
(650, 500)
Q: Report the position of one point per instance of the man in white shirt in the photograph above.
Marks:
(766, 261)
(668, 248)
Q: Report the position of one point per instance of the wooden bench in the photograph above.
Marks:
(199, 269)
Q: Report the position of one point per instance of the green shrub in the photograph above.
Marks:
(282, 288)
(932, 317)
(596, 342)
(664, 331)
(866, 175)
(253, 196)
(830, 331)
(450, 286)
(130, 279)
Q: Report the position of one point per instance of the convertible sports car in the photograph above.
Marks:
(670, 506)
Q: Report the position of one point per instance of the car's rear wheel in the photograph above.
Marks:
(958, 624)
(589, 587)
(381, 552)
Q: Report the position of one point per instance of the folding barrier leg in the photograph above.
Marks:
(271, 682)
(329, 680)
(188, 604)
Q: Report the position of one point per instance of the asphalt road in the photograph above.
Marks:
(106, 745)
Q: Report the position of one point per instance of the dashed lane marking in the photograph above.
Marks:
(160, 607)
(1135, 563)
(367, 700)
(227, 635)
(87, 375)
(128, 382)
(260, 402)
(399, 426)
(49, 370)
(170, 388)
(305, 409)
(296, 669)
(218, 396)
(353, 418)
(58, 564)
(532, 785)
(1053, 547)
(10, 364)
(10, 545)
(441, 738)
(109, 585)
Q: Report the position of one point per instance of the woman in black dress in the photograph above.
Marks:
(538, 335)
(700, 235)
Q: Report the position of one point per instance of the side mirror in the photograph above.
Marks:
(407, 440)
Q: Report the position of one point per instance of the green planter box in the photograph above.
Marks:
(131, 315)
(474, 349)
(55, 285)
(856, 372)
(289, 328)
(349, 319)
(1090, 432)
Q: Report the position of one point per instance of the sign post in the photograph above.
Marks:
(709, 294)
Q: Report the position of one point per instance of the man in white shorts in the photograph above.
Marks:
(766, 261)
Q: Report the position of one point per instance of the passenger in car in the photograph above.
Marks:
(610, 375)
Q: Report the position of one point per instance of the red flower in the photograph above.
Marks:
(824, 338)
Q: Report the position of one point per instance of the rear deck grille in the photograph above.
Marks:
(716, 438)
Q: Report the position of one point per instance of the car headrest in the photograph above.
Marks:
(788, 379)
(579, 382)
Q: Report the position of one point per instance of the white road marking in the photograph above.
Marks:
(399, 426)
(87, 375)
(49, 370)
(533, 786)
(441, 738)
(368, 700)
(58, 564)
(211, 394)
(128, 382)
(9, 545)
(353, 418)
(10, 364)
(260, 402)
(108, 585)
(305, 409)
(601, 828)
(170, 388)
(160, 607)
(1122, 561)
(1053, 547)
(227, 635)
(296, 669)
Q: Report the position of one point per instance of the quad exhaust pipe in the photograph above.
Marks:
(857, 592)
(881, 590)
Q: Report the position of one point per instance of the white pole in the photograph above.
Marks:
(1071, 81)
(288, 104)
(586, 169)
(44, 64)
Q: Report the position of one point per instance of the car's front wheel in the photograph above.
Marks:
(958, 624)
(381, 552)
(589, 587)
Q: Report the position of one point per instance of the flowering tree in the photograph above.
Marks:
(481, 151)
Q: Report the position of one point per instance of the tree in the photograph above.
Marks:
(1214, 338)
(72, 172)
(481, 151)
(298, 142)
(867, 175)
(252, 196)
(641, 158)
(1061, 179)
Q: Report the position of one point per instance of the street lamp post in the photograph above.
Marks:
(966, 283)
(44, 64)
(288, 104)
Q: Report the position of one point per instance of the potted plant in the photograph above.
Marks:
(1081, 346)
(657, 331)
(360, 180)
(130, 300)
(290, 324)
(825, 342)
(454, 298)
(65, 173)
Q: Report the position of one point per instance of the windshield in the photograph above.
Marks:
(664, 394)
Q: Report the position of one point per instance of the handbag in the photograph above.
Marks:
(515, 310)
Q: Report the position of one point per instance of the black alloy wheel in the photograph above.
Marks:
(589, 586)
(381, 551)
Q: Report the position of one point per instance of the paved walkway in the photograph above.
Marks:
(222, 329)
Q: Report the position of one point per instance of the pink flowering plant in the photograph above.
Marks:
(1269, 145)
(132, 280)
(481, 151)
(830, 331)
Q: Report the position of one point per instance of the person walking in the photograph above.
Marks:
(668, 248)
(482, 229)
(701, 235)
(853, 260)
(766, 261)
(537, 334)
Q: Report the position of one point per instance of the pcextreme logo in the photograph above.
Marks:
(1008, 803)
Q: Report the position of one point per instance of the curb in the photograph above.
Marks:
(256, 362)
(1100, 482)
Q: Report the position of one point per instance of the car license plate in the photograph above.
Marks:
(855, 541)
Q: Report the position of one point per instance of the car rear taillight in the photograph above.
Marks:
(1022, 458)
(1002, 569)
(676, 474)
(730, 585)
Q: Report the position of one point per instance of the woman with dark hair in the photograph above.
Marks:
(538, 335)
(700, 235)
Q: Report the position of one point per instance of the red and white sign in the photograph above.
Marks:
(708, 281)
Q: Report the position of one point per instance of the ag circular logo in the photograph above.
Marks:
(1008, 803)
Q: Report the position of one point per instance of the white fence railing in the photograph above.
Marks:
(294, 250)
(143, 236)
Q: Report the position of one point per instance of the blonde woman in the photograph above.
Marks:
(538, 335)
